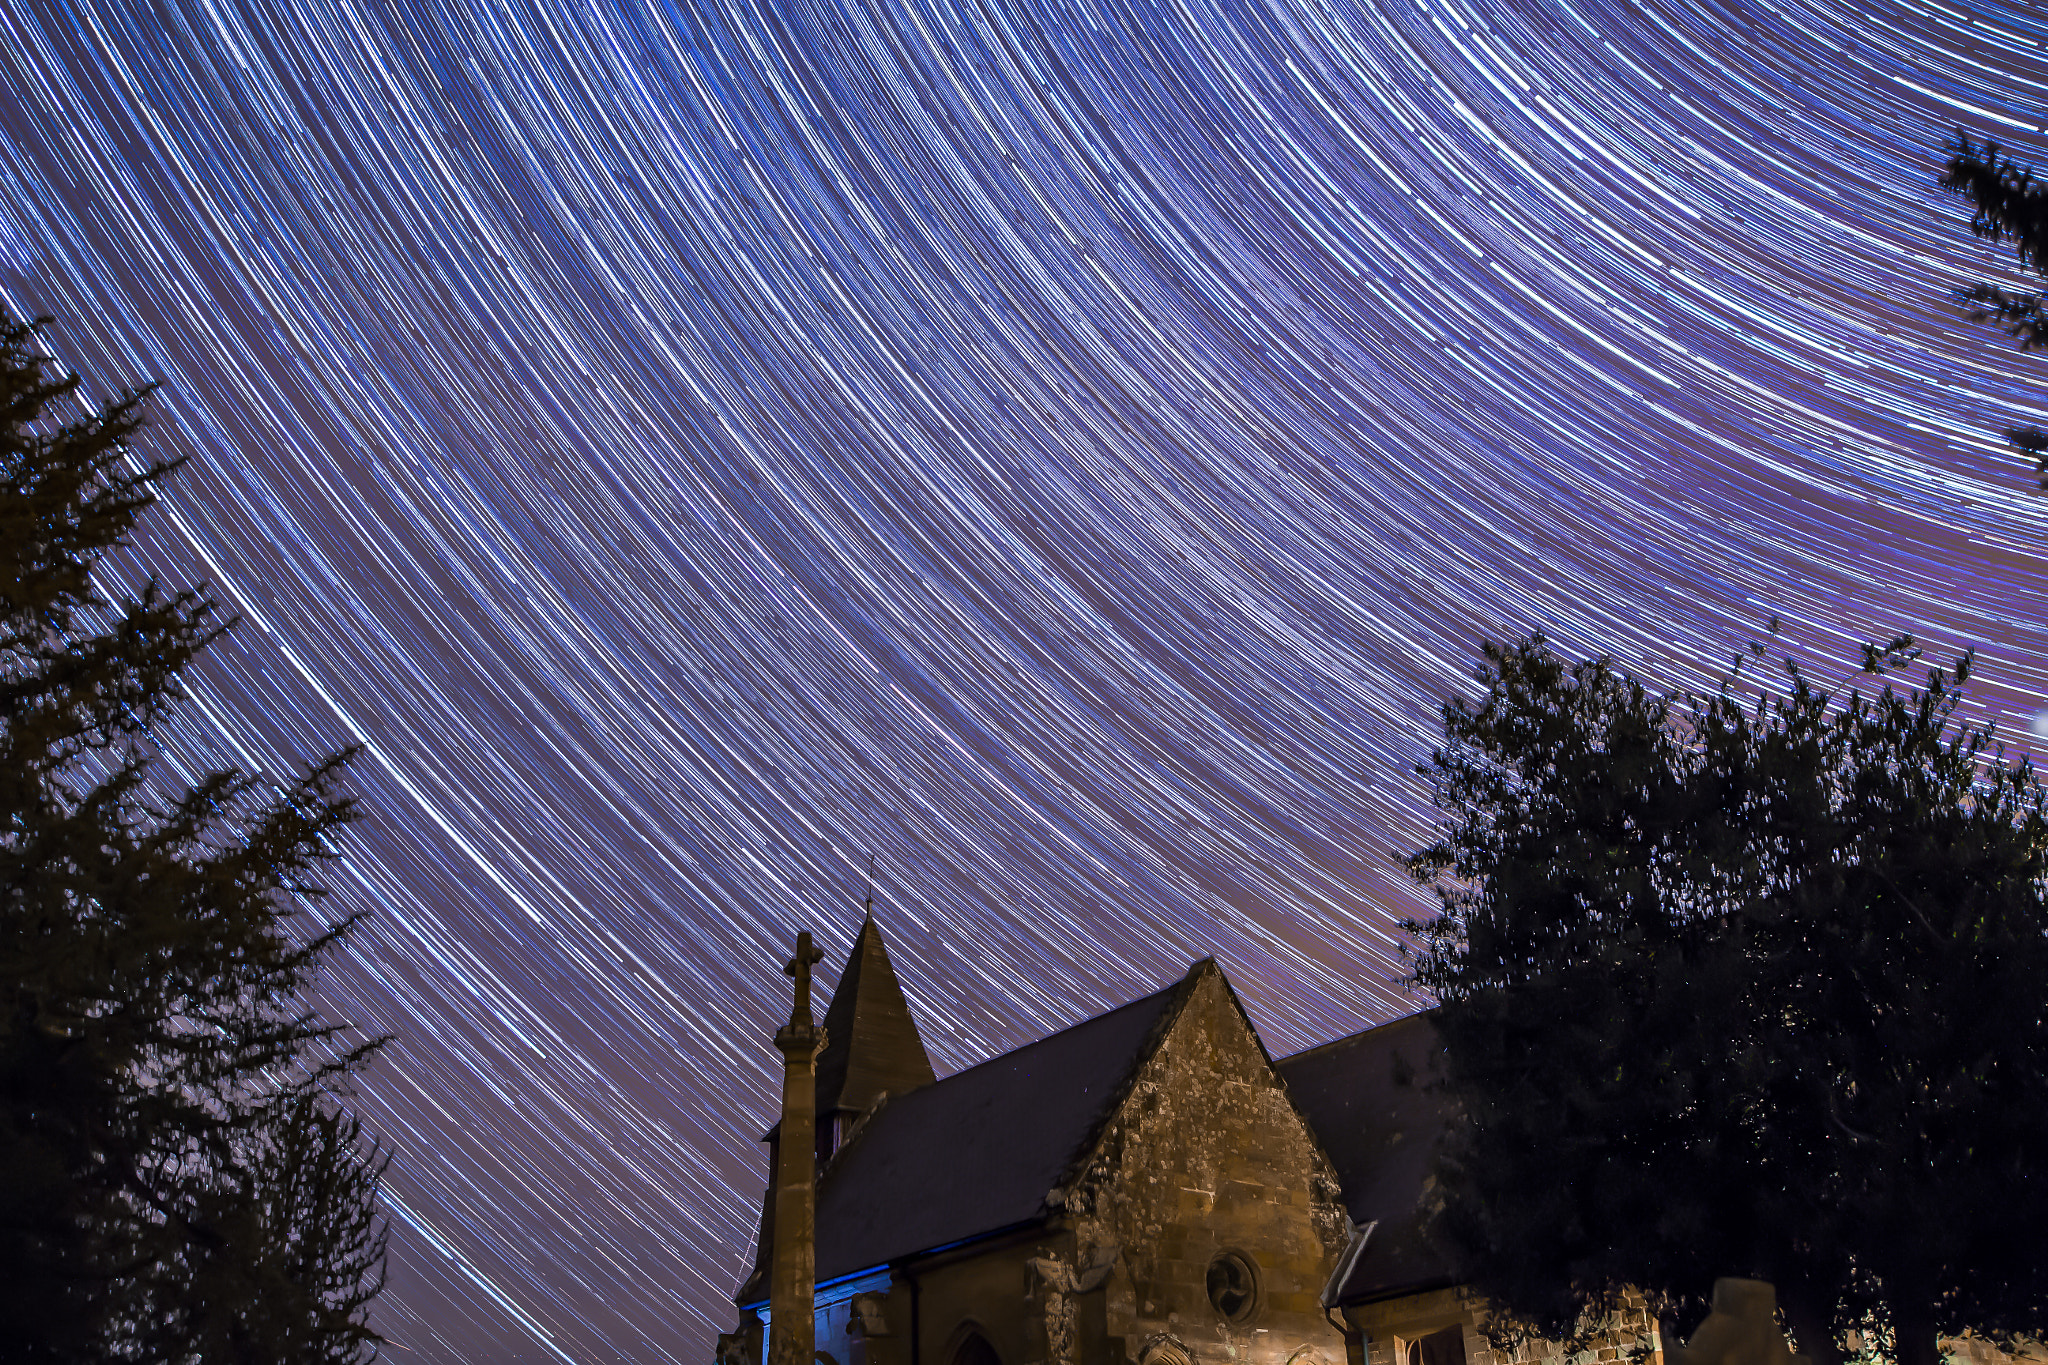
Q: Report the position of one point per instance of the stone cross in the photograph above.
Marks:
(792, 1282)
(799, 967)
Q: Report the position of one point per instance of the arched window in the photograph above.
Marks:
(1439, 1348)
(975, 1350)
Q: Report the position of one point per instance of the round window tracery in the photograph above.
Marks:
(1233, 1287)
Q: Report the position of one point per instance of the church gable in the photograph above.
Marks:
(1223, 1210)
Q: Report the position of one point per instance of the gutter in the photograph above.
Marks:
(1361, 1233)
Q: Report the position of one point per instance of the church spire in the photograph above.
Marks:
(872, 1044)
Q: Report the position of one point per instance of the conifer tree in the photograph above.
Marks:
(1740, 985)
(2008, 205)
(178, 1179)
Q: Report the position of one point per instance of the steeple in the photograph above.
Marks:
(871, 1042)
(871, 1046)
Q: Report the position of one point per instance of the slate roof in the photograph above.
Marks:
(871, 1042)
(977, 1152)
(1365, 1097)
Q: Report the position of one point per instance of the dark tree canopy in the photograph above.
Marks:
(2009, 205)
(178, 1181)
(1740, 983)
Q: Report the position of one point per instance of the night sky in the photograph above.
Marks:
(1063, 450)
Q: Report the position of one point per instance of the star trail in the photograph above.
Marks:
(1062, 449)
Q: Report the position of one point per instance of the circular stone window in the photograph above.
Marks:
(1233, 1286)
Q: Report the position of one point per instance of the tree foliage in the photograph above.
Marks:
(2009, 205)
(177, 1180)
(1740, 983)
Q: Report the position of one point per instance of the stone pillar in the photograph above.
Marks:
(792, 1275)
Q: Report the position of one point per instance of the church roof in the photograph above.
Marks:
(871, 1042)
(941, 1163)
(1366, 1097)
(977, 1152)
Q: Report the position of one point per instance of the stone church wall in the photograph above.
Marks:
(1970, 1349)
(1207, 1159)
(985, 1294)
(1391, 1328)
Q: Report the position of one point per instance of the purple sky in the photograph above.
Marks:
(1066, 452)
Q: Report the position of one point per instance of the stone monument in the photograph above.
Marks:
(1741, 1330)
(792, 1285)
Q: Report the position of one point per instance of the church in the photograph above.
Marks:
(1149, 1187)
